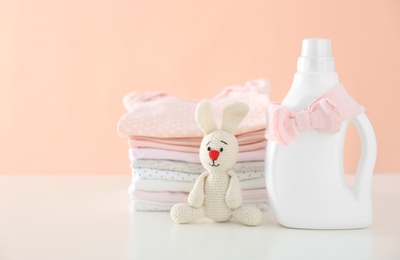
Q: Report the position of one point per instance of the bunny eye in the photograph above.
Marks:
(209, 148)
(221, 150)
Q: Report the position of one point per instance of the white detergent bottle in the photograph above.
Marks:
(305, 179)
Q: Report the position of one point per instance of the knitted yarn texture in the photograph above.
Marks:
(217, 193)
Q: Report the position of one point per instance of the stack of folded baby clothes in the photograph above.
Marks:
(164, 141)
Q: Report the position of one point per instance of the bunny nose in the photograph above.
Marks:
(214, 154)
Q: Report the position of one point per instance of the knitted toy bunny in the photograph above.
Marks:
(217, 193)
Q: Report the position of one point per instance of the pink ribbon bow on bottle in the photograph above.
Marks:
(324, 114)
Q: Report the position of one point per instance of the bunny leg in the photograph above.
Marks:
(249, 216)
(183, 213)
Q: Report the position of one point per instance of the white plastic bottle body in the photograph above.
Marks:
(305, 180)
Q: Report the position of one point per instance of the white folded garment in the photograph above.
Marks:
(156, 174)
(185, 186)
(187, 167)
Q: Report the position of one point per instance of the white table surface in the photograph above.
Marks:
(89, 217)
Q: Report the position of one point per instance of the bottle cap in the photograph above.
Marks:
(316, 56)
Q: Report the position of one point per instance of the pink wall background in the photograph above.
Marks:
(65, 65)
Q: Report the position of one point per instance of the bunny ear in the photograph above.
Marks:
(232, 116)
(205, 118)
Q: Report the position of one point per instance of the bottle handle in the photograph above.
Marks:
(365, 169)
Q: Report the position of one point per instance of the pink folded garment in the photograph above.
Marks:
(242, 139)
(253, 195)
(160, 154)
(162, 115)
(165, 207)
(192, 149)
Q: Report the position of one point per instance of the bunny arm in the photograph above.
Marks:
(233, 197)
(196, 195)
